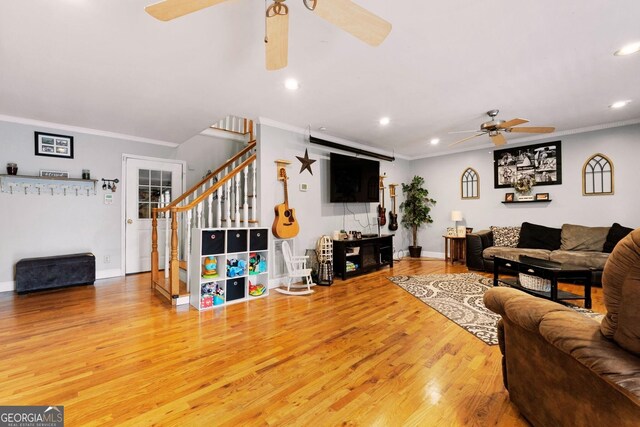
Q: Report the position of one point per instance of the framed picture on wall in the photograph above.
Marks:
(52, 145)
(543, 162)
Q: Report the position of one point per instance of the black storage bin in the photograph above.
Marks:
(55, 271)
(258, 239)
(236, 241)
(213, 242)
(235, 289)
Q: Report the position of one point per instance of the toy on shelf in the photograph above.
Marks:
(206, 301)
(236, 267)
(257, 264)
(211, 294)
(218, 298)
(209, 267)
(256, 290)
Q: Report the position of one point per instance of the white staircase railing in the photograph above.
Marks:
(219, 200)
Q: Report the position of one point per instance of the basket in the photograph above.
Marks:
(534, 283)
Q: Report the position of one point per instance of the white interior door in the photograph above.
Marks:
(149, 184)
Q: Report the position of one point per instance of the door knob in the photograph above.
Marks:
(129, 221)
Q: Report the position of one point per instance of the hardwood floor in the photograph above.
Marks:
(361, 352)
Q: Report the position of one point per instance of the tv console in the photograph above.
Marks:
(360, 256)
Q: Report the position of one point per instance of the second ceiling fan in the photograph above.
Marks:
(495, 127)
(345, 14)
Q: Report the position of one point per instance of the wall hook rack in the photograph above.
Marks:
(110, 184)
(25, 184)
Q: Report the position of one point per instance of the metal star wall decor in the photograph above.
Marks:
(306, 162)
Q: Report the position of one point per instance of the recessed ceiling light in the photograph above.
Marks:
(619, 104)
(322, 128)
(628, 49)
(292, 84)
(435, 141)
(385, 121)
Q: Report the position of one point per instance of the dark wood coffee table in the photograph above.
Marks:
(550, 270)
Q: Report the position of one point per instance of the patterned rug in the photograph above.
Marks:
(459, 298)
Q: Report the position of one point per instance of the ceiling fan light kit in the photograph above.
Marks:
(344, 14)
(495, 128)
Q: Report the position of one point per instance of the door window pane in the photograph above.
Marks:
(143, 177)
(155, 178)
(154, 191)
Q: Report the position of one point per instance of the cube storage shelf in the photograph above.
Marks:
(227, 266)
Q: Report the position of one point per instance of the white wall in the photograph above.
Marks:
(568, 205)
(203, 153)
(316, 215)
(43, 225)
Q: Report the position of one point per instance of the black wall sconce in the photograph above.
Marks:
(110, 184)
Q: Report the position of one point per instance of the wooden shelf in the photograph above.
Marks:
(527, 201)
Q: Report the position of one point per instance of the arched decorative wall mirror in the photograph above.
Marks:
(470, 184)
(597, 176)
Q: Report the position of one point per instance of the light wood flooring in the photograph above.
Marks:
(361, 352)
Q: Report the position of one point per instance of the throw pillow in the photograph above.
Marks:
(505, 236)
(616, 233)
(581, 238)
(536, 236)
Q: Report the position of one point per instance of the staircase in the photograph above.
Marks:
(221, 199)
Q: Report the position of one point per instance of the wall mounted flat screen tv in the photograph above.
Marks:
(353, 179)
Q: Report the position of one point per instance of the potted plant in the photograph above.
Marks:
(415, 210)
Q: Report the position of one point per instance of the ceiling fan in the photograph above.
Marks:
(495, 127)
(345, 14)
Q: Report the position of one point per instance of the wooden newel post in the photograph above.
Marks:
(174, 265)
(154, 247)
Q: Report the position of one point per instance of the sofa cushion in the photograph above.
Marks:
(514, 253)
(536, 236)
(595, 260)
(505, 236)
(616, 233)
(621, 289)
(581, 238)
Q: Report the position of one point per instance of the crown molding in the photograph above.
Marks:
(88, 131)
(305, 131)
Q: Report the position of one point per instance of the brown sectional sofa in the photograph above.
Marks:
(573, 244)
(564, 369)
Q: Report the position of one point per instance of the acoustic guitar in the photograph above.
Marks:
(285, 225)
(393, 216)
(382, 212)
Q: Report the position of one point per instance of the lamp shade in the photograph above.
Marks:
(456, 216)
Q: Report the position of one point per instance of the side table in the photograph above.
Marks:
(455, 249)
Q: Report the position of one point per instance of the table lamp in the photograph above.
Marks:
(455, 217)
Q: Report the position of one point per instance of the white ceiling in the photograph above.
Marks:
(109, 66)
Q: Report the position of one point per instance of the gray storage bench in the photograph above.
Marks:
(34, 274)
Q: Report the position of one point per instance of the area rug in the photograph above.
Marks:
(459, 298)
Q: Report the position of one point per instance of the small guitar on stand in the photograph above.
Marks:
(285, 225)
(393, 216)
(382, 212)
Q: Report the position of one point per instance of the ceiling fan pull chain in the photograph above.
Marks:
(310, 4)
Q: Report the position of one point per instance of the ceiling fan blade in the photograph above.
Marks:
(533, 129)
(354, 19)
(171, 9)
(513, 122)
(277, 41)
(466, 139)
(498, 139)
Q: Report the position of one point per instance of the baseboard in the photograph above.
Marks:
(439, 255)
(9, 286)
(107, 274)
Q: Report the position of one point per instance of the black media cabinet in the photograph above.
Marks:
(367, 254)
